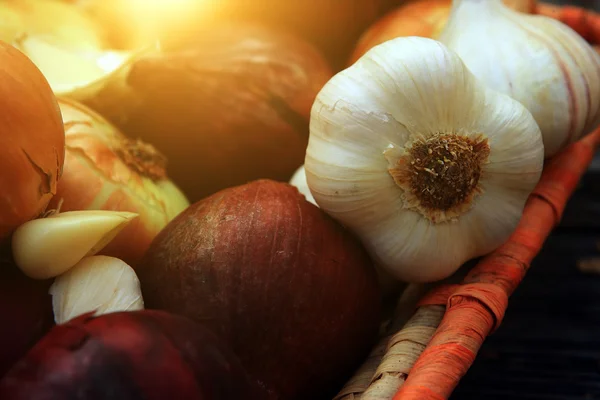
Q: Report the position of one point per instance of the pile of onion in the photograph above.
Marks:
(228, 107)
(424, 18)
(32, 143)
(105, 170)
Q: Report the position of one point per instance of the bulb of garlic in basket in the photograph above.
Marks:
(537, 60)
(428, 166)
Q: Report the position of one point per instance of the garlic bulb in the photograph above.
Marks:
(97, 283)
(428, 166)
(537, 60)
(299, 181)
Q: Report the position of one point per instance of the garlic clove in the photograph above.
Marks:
(99, 283)
(427, 165)
(537, 60)
(47, 247)
(299, 181)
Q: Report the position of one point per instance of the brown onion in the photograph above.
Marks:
(293, 292)
(32, 143)
(230, 107)
(104, 170)
(424, 18)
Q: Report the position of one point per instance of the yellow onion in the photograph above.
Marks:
(424, 18)
(105, 170)
(32, 142)
(228, 107)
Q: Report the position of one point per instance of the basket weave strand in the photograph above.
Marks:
(475, 309)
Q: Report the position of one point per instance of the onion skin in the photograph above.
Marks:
(99, 175)
(32, 140)
(334, 26)
(147, 355)
(57, 22)
(425, 18)
(231, 107)
(25, 313)
(287, 287)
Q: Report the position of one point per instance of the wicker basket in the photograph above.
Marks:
(423, 355)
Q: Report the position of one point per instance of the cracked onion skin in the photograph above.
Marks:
(229, 107)
(32, 142)
(290, 290)
(25, 312)
(139, 355)
(105, 170)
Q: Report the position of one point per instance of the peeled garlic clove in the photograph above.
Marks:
(299, 181)
(537, 60)
(428, 166)
(47, 247)
(98, 283)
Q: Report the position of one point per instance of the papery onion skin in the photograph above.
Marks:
(228, 108)
(100, 174)
(32, 142)
(147, 355)
(293, 292)
(425, 18)
(25, 312)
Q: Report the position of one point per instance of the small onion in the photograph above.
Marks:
(231, 107)
(104, 170)
(32, 143)
(424, 18)
(292, 291)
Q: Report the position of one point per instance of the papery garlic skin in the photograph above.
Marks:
(362, 125)
(537, 60)
(47, 247)
(98, 283)
(299, 181)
